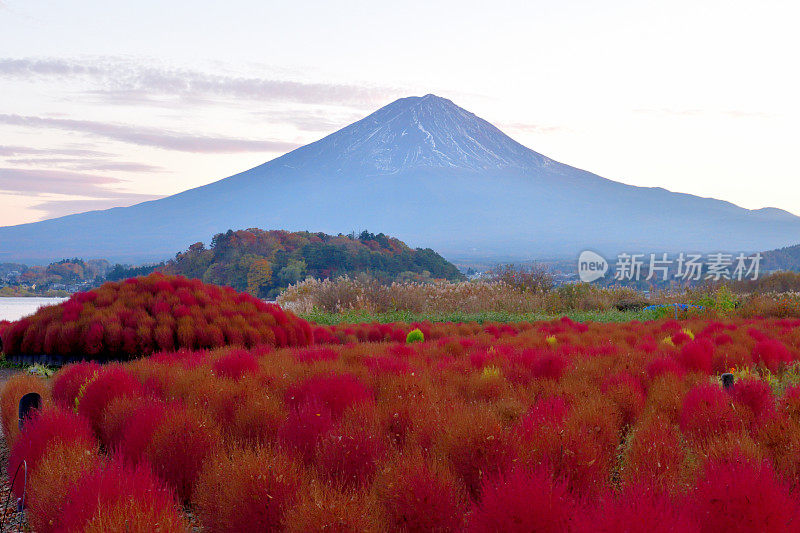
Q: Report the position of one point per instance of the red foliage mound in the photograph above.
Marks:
(697, 355)
(179, 447)
(67, 384)
(735, 495)
(772, 354)
(349, 457)
(246, 491)
(138, 316)
(756, 395)
(236, 364)
(523, 501)
(637, 510)
(49, 428)
(304, 427)
(707, 411)
(129, 424)
(111, 382)
(336, 392)
(421, 499)
(114, 497)
(663, 365)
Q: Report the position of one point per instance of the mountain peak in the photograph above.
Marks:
(421, 131)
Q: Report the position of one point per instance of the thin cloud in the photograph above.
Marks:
(126, 82)
(746, 114)
(167, 140)
(87, 164)
(530, 128)
(47, 67)
(14, 151)
(60, 208)
(310, 120)
(730, 113)
(37, 182)
(94, 189)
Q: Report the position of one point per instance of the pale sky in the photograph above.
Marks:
(109, 103)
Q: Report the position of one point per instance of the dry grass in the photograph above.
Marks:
(347, 294)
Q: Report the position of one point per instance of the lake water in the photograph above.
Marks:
(16, 308)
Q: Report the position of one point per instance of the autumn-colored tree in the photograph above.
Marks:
(293, 256)
(258, 276)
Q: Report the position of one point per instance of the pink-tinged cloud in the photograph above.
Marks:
(167, 140)
(14, 151)
(86, 164)
(37, 182)
(60, 208)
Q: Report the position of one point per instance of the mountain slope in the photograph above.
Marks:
(430, 173)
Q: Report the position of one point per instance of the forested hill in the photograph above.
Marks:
(787, 258)
(264, 262)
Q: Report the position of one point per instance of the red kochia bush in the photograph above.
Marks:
(3, 325)
(638, 509)
(246, 491)
(627, 392)
(420, 499)
(120, 320)
(304, 427)
(739, 496)
(235, 364)
(112, 382)
(336, 392)
(350, 457)
(697, 355)
(772, 354)
(654, 457)
(707, 412)
(756, 395)
(663, 365)
(115, 497)
(60, 468)
(129, 424)
(50, 427)
(535, 363)
(179, 447)
(523, 501)
(68, 381)
(311, 355)
(791, 402)
(387, 365)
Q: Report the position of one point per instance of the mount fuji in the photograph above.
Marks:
(430, 173)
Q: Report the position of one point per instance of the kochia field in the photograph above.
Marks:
(548, 426)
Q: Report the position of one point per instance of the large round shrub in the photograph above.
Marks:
(139, 316)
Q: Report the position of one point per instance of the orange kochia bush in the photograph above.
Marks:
(139, 316)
